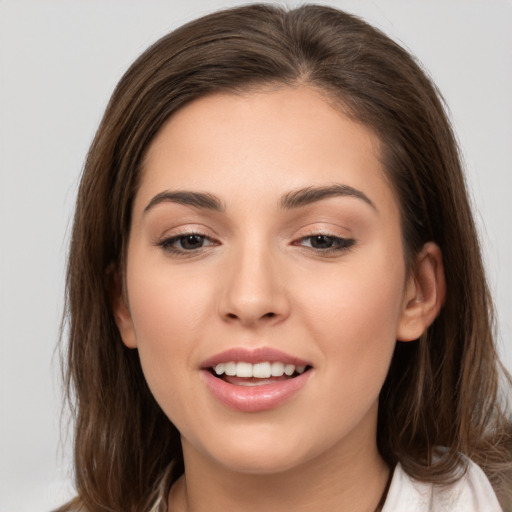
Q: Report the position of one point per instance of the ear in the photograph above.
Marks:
(424, 295)
(121, 310)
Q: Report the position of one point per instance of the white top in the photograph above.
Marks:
(472, 493)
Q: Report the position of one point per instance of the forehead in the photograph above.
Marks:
(262, 143)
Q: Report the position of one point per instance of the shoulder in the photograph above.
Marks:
(472, 493)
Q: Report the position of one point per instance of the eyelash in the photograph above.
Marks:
(168, 244)
(338, 244)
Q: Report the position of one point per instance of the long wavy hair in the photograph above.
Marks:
(443, 390)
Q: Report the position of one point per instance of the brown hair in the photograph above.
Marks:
(441, 391)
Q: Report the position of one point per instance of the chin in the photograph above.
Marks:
(260, 453)
(261, 463)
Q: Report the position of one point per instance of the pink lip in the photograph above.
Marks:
(254, 356)
(254, 398)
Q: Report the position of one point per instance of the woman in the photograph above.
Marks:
(275, 290)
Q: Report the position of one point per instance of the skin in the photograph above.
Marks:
(258, 282)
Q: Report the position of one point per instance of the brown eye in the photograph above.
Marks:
(326, 243)
(186, 243)
(321, 242)
(190, 242)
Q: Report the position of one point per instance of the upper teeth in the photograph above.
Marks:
(258, 370)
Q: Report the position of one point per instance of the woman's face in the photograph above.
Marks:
(265, 240)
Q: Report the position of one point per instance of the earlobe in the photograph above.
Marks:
(424, 293)
(121, 311)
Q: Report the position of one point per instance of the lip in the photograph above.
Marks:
(258, 355)
(256, 398)
(261, 397)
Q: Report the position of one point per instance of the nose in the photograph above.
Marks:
(254, 289)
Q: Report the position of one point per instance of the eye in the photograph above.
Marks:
(191, 242)
(321, 241)
(325, 243)
(186, 243)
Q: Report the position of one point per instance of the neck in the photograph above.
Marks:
(343, 480)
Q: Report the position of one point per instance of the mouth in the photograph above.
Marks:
(257, 380)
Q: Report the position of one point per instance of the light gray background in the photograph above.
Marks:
(59, 62)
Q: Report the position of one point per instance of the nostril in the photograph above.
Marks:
(249, 318)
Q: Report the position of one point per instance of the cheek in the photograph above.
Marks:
(166, 301)
(169, 311)
(353, 315)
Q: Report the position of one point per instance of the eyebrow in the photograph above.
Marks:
(308, 195)
(196, 199)
(291, 200)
